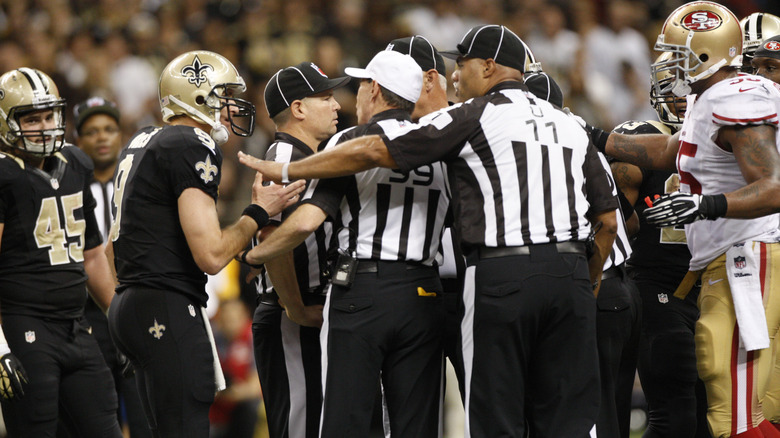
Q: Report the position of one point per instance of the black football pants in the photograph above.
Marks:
(163, 335)
(67, 375)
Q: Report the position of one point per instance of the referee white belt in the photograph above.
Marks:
(369, 266)
(505, 251)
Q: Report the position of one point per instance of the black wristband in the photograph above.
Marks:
(257, 213)
(246, 262)
(713, 206)
(599, 137)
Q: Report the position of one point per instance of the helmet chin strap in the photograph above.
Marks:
(218, 131)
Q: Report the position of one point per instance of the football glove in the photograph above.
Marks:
(684, 208)
(12, 377)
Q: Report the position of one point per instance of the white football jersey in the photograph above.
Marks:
(707, 169)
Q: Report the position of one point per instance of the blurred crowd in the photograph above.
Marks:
(598, 50)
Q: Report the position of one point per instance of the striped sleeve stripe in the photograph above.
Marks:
(771, 117)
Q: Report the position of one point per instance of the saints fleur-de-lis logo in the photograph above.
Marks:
(196, 72)
(208, 171)
(157, 329)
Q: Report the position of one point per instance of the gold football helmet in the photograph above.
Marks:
(703, 37)
(669, 107)
(23, 91)
(756, 27)
(199, 84)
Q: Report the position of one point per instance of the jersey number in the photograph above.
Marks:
(50, 234)
(122, 172)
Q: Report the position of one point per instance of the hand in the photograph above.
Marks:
(124, 365)
(275, 197)
(12, 376)
(307, 316)
(597, 135)
(675, 208)
(271, 170)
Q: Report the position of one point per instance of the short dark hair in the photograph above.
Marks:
(396, 101)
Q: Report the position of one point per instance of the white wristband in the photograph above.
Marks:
(4, 348)
(285, 175)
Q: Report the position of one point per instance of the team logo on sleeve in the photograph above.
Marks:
(206, 169)
(196, 72)
(157, 330)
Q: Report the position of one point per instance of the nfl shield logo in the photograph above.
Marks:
(739, 262)
(663, 298)
(192, 310)
(29, 337)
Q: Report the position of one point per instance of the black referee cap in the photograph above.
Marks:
(496, 42)
(769, 48)
(295, 83)
(421, 50)
(544, 87)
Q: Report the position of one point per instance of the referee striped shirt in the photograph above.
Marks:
(621, 249)
(385, 214)
(521, 171)
(310, 257)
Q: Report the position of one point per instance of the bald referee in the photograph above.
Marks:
(523, 175)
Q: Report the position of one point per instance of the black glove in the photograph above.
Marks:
(683, 208)
(12, 376)
(598, 136)
(124, 365)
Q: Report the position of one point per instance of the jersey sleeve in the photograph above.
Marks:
(436, 137)
(598, 184)
(195, 161)
(743, 101)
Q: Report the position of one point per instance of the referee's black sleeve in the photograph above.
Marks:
(598, 189)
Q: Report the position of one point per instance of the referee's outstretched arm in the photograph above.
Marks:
(347, 158)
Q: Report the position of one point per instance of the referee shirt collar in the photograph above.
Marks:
(396, 114)
(297, 144)
(507, 85)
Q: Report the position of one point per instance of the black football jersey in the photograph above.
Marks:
(155, 167)
(44, 215)
(661, 253)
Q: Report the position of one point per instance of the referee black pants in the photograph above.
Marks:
(163, 335)
(288, 362)
(529, 346)
(388, 325)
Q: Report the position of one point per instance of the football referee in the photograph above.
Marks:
(523, 175)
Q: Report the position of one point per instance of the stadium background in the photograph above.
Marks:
(598, 50)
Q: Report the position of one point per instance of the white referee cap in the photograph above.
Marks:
(396, 72)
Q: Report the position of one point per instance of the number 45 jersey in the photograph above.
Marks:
(150, 249)
(705, 168)
(45, 216)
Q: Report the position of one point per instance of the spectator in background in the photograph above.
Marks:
(234, 413)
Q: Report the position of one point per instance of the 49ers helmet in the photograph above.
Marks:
(23, 91)
(702, 37)
(668, 106)
(199, 84)
(756, 28)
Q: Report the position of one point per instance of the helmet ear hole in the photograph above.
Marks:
(704, 57)
(200, 100)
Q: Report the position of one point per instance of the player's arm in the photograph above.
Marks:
(649, 151)
(294, 230)
(628, 178)
(756, 153)
(604, 239)
(347, 158)
(100, 281)
(109, 252)
(212, 247)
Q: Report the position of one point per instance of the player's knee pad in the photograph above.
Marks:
(709, 362)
